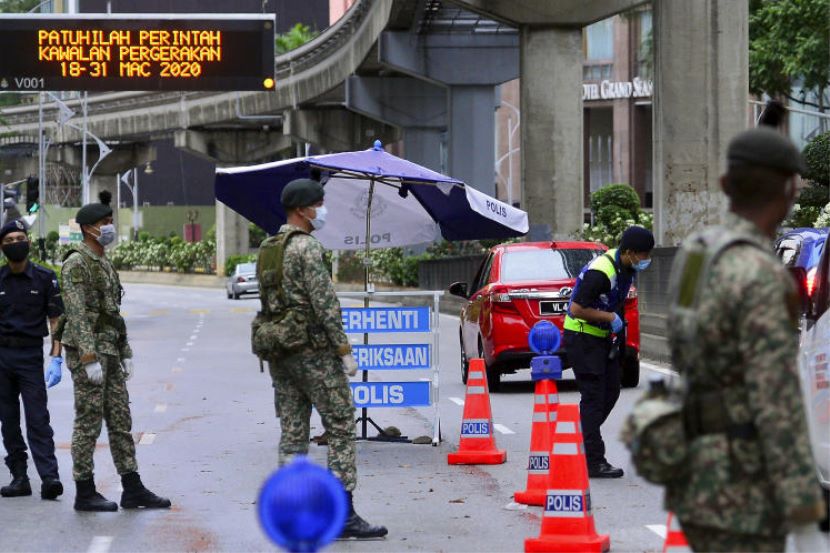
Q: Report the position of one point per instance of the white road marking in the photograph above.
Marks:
(659, 529)
(658, 369)
(193, 337)
(180, 360)
(503, 429)
(185, 349)
(457, 401)
(160, 408)
(147, 439)
(189, 344)
(100, 544)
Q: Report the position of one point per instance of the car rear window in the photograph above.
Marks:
(526, 265)
(246, 268)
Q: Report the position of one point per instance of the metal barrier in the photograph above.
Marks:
(438, 274)
(382, 356)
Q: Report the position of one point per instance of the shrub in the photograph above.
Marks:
(620, 196)
(823, 219)
(232, 261)
(255, 235)
(817, 157)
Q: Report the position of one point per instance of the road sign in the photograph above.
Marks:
(137, 52)
(391, 394)
(371, 320)
(392, 357)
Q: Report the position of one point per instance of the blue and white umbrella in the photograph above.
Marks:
(372, 193)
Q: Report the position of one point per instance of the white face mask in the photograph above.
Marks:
(319, 220)
(106, 234)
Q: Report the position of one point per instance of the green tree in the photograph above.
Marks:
(788, 47)
(294, 38)
(18, 6)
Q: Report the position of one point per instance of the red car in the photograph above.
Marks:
(518, 285)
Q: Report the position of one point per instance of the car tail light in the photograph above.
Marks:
(241, 279)
(810, 282)
(502, 301)
(632, 294)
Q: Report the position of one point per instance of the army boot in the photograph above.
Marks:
(87, 498)
(19, 485)
(357, 528)
(50, 488)
(136, 495)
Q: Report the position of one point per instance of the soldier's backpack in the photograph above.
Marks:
(655, 430)
(284, 331)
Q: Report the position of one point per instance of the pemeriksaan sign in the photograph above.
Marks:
(137, 52)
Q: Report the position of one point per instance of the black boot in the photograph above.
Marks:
(50, 488)
(87, 498)
(604, 470)
(19, 485)
(358, 528)
(136, 495)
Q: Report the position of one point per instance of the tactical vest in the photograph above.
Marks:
(705, 411)
(108, 313)
(620, 285)
(285, 330)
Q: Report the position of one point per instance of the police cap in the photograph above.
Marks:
(301, 193)
(637, 239)
(12, 226)
(765, 147)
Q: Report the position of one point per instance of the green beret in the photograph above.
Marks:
(92, 213)
(301, 193)
(765, 147)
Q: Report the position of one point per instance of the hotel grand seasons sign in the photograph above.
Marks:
(610, 90)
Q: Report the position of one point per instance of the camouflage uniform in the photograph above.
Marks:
(314, 375)
(94, 330)
(744, 492)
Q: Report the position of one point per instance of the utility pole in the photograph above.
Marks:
(41, 173)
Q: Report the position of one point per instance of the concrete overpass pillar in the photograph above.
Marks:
(231, 235)
(423, 146)
(472, 136)
(700, 94)
(551, 119)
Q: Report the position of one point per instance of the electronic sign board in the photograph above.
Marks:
(142, 52)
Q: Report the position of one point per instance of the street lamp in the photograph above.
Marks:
(125, 178)
(511, 129)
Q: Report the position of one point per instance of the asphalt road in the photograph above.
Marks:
(207, 438)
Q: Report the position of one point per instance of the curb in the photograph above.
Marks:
(172, 279)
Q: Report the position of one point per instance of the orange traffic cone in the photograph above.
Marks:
(567, 522)
(477, 445)
(675, 538)
(545, 404)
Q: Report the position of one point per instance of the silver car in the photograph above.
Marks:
(242, 281)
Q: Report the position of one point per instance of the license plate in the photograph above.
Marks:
(553, 307)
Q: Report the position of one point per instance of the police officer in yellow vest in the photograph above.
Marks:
(592, 326)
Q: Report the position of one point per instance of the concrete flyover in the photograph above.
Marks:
(386, 70)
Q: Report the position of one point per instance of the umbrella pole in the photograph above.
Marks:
(367, 267)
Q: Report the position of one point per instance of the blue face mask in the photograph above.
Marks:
(642, 265)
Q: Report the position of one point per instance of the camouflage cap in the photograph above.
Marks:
(765, 147)
(301, 193)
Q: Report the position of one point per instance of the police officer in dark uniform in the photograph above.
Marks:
(29, 294)
(595, 315)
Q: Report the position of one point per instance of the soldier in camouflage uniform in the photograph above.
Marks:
(751, 473)
(100, 360)
(313, 372)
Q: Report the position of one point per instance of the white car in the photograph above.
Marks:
(814, 366)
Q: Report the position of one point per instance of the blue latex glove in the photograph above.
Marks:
(617, 324)
(53, 373)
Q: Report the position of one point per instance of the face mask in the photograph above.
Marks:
(642, 265)
(107, 235)
(320, 220)
(16, 251)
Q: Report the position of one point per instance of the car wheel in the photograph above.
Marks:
(465, 363)
(228, 294)
(235, 295)
(630, 374)
(493, 373)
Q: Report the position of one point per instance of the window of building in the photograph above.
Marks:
(599, 40)
(600, 148)
(645, 53)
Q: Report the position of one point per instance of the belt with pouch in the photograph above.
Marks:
(707, 414)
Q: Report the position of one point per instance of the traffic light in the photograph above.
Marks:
(32, 195)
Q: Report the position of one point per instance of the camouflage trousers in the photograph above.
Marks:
(703, 538)
(317, 379)
(95, 404)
